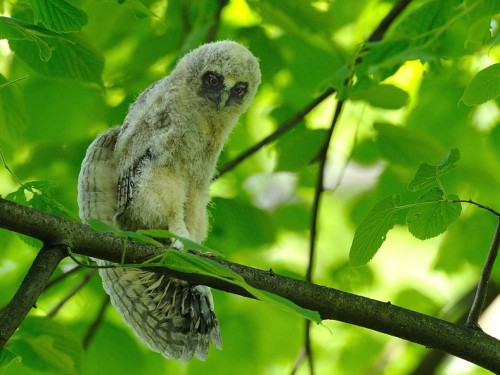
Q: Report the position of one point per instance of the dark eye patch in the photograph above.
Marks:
(239, 89)
(213, 80)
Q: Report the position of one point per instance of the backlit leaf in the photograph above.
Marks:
(428, 174)
(432, 214)
(46, 345)
(59, 15)
(484, 86)
(372, 231)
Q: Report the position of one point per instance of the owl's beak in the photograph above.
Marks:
(224, 96)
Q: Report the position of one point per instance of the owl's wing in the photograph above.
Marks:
(125, 188)
(97, 179)
(171, 316)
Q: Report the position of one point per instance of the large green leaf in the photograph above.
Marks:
(59, 15)
(190, 263)
(372, 231)
(432, 214)
(14, 29)
(70, 59)
(299, 147)
(7, 358)
(406, 146)
(383, 96)
(46, 345)
(429, 174)
(13, 117)
(484, 86)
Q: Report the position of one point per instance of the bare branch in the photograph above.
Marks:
(89, 335)
(32, 286)
(469, 344)
(212, 32)
(276, 134)
(86, 278)
(470, 201)
(482, 287)
(62, 277)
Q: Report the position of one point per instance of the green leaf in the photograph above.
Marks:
(298, 147)
(428, 174)
(187, 243)
(46, 345)
(13, 29)
(136, 236)
(71, 59)
(38, 195)
(7, 358)
(190, 263)
(406, 146)
(432, 214)
(13, 116)
(431, 15)
(383, 96)
(484, 86)
(59, 15)
(372, 231)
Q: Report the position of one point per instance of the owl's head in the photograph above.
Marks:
(224, 75)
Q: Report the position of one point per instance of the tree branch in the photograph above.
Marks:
(32, 286)
(212, 32)
(86, 278)
(276, 134)
(482, 287)
(89, 335)
(429, 363)
(461, 341)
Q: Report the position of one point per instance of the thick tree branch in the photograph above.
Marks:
(32, 286)
(429, 363)
(461, 341)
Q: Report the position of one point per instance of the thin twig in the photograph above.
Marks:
(61, 277)
(276, 134)
(482, 287)
(89, 335)
(32, 286)
(6, 166)
(470, 201)
(86, 278)
(318, 192)
(378, 34)
(298, 361)
(212, 32)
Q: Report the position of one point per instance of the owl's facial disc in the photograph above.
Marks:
(220, 92)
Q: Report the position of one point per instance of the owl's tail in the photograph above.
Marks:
(171, 316)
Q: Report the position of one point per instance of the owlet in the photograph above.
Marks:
(154, 171)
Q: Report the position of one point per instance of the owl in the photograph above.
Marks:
(154, 171)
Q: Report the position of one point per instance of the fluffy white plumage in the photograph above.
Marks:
(154, 172)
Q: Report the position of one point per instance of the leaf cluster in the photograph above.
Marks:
(423, 86)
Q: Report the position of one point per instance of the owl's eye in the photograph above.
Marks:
(213, 80)
(240, 89)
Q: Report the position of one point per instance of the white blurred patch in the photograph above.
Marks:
(269, 190)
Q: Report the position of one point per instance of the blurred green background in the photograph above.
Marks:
(81, 63)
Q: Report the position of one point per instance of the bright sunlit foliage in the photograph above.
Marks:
(424, 91)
